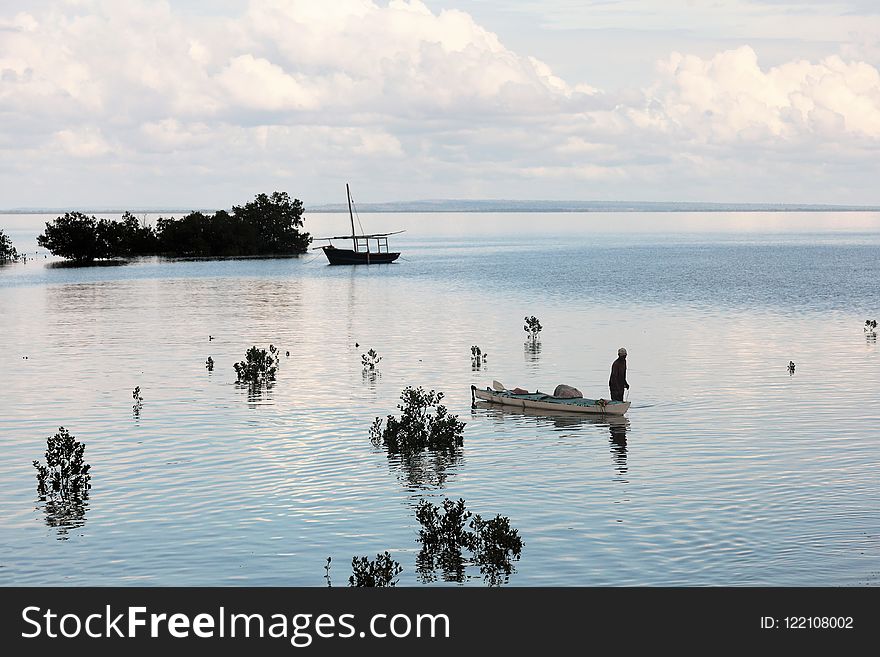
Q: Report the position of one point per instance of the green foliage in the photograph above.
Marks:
(138, 401)
(478, 357)
(418, 429)
(208, 235)
(532, 327)
(129, 238)
(327, 572)
(276, 220)
(268, 225)
(64, 476)
(7, 251)
(258, 368)
(81, 238)
(73, 236)
(493, 544)
(443, 530)
(370, 360)
(382, 571)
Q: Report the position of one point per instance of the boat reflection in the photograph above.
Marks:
(617, 425)
(556, 419)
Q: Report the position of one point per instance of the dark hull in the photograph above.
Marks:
(350, 257)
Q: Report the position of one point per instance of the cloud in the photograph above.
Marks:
(418, 102)
(730, 98)
(82, 143)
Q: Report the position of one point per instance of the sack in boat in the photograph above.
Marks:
(520, 391)
(566, 392)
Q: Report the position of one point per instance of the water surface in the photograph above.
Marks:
(727, 471)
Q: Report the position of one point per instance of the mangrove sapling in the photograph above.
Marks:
(7, 251)
(495, 545)
(417, 428)
(532, 328)
(275, 352)
(443, 537)
(871, 328)
(258, 368)
(382, 571)
(446, 530)
(65, 476)
(209, 364)
(478, 358)
(138, 400)
(370, 360)
(327, 572)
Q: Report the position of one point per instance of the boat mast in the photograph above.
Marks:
(351, 216)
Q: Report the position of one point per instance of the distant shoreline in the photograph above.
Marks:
(499, 206)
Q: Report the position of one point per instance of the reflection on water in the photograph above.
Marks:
(64, 515)
(449, 530)
(562, 420)
(425, 470)
(452, 566)
(568, 422)
(618, 428)
(71, 264)
(532, 350)
(213, 485)
(449, 560)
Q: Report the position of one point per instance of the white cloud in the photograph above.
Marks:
(259, 84)
(82, 143)
(730, 98)
(419, 102)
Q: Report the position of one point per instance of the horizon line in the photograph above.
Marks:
(488, 205)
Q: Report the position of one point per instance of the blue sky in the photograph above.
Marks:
(192, 104)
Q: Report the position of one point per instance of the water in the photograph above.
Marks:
(727, 471)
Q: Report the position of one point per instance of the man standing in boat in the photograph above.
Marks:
(617, 382)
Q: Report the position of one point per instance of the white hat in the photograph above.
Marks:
(621, 352)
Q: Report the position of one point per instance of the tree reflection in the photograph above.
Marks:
(370, 377)
(492, 545)
(448, 560)
(425, 470)
(532, 351)
(65, 515)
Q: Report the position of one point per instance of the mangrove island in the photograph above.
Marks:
(268, 225)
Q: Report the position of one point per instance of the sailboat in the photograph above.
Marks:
(361, 253)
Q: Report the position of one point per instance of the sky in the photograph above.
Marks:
(191, 104)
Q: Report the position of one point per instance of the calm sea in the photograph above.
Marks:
(728, 470)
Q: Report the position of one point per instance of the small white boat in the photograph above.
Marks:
(498, 394)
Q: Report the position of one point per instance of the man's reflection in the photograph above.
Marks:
(618, 444)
